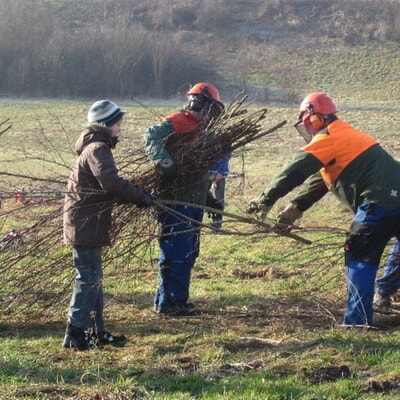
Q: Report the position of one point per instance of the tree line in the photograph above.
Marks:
(131, 48)
(41, 55)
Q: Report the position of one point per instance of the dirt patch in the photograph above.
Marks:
(263, 273)
(382, 386)
(327, 374)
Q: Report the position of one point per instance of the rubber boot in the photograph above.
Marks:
(76, 338)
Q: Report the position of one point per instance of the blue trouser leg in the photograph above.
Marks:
(360, 293)
(372, 228)
(86, 303)
(179, 244)
(389, 282)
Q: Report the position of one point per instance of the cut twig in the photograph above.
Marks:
(6, 128)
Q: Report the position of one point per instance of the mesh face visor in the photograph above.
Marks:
(196, 102)
(301, 128)
(206, 105)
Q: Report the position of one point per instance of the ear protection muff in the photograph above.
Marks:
(316, 122)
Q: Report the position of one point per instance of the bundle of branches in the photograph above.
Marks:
(233, 129)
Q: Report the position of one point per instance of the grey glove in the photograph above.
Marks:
(256, 206)
(167, 169)
(289, 215)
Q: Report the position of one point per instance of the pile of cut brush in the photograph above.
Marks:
(37, 274)
(233, 129)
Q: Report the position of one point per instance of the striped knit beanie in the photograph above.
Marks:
(105, 112)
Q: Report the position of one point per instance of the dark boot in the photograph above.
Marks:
(76, 338)
(104, 337)
(179, 310)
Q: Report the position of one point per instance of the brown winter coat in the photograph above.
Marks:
(93, 188)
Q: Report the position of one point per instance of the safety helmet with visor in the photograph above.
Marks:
(204, 97)
(316, 110)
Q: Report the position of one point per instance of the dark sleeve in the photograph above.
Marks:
(102, 165)
(292, 175)
(314, 189)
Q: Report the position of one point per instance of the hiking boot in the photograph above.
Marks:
(104, 337)
(382, 302)
(76, 338)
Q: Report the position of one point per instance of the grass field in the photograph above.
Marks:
(270, 304)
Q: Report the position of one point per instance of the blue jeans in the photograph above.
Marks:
(179, 243)
(86, 306)
(371, 230)
(389, 282)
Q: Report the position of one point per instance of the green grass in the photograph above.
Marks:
(270, 304)
(362, 76)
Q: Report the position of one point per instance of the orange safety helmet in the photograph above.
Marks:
(319, 103)
(206, 89)
(316, 111)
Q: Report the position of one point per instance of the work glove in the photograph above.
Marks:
(287, 218)
(257, 206)
(289, 215)
(167, 169)
(146, 201)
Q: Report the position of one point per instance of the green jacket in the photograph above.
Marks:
(348, 162)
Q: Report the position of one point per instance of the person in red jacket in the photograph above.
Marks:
(93, 188)
(361, 174)
(181, 224)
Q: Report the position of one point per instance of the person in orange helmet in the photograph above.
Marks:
(180, 225)
(361, 174)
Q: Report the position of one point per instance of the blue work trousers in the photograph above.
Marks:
(86, 306)
(179, 244)
(371, 230)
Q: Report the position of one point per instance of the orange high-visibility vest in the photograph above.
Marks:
(185, 125)
(337, 148)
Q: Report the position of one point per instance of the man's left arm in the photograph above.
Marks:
(314, 189)
(293, 174)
